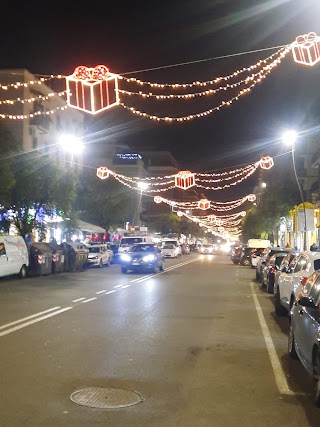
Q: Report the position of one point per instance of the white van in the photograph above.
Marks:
(14, 256)
(127, 241)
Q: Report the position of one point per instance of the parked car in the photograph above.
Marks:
(304, 331)
(245, 256)
(290, 282)
(172, 241)
(99, 255)
(271, 268)
(14, 256)
(143, 257)
(255, 256)
(267, 253)
(170, 250)
(284, 266)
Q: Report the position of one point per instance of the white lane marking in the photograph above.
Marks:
(27, 318)
(100, 292)
(118, 286)
(110, 292)
(275, 363)
(88, 300)
(79, 299)
(125, 286)
(39, 319)
(141, 279)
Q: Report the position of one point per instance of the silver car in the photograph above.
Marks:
(304, 331)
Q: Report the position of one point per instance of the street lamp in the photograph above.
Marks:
(142, 186)
(71, 144)
(290, 138)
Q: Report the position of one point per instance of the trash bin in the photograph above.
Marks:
(76, 255)
(58, 257)
(40, 259)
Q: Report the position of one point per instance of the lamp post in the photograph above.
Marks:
(290, 137)
(71, 144)
(142, 186)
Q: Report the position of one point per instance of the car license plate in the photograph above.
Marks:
(135, 263)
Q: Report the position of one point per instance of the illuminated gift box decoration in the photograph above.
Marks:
(184, 180)
(251, 197)
(217, 221)
(211, 218)
(204, 204)
(306, 49)
(179, 213)
(92, 89)
(157, 199)
(103, 172)
(221, 229)
(266, 162)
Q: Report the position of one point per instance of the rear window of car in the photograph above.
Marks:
(143, 248)
(130, 240)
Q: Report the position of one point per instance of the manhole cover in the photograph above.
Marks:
(97, 397)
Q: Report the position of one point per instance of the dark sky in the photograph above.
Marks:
(129, 37)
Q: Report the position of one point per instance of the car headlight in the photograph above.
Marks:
(125, 257)
(148, 258)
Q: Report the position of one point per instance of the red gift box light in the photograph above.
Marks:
(306, 49)
(204, 204)
(92, 89)
(184, 180)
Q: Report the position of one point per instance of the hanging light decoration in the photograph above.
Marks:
(306, 49)
(92, 89)
(204, 204)
(251, 197)
(157, 199)
(102, 172)
(266, 162)
(184, 180)
(179, 213)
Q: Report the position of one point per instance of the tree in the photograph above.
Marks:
(261, 221)
(41, 188)
(104, 203)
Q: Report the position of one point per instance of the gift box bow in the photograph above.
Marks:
(100, 72)
(306, 39)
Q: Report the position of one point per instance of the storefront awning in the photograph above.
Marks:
(86, 226)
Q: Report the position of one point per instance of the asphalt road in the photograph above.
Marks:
(196, 345)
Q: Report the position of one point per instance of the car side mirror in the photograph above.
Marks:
(306, 302)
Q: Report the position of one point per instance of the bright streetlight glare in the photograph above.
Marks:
(263, 185)
(143, 185)
(71, 143)
(289, 137)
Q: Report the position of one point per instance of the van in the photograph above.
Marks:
(127, 241)
(172, 241)
(14, 256)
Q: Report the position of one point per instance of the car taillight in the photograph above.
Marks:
(303, 280)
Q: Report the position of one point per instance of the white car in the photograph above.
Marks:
(291, 281)
(170, 250)
(99, 255)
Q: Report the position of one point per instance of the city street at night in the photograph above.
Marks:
(195, 345)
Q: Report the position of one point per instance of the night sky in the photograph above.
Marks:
(131, 37)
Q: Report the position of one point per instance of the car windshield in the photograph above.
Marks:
(143, 248)
(130, 240)
(168, 246)
(94, 250)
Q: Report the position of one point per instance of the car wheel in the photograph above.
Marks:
(235, 262)
(316, 377)
(23, 272)
(161, 268)
(291, 343)
(278, 308)
(257, 276)
(154, 269)
(124, 270)
(101, 263)
(246, 262)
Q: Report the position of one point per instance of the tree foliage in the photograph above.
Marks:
(41, 187)
(105, 202)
